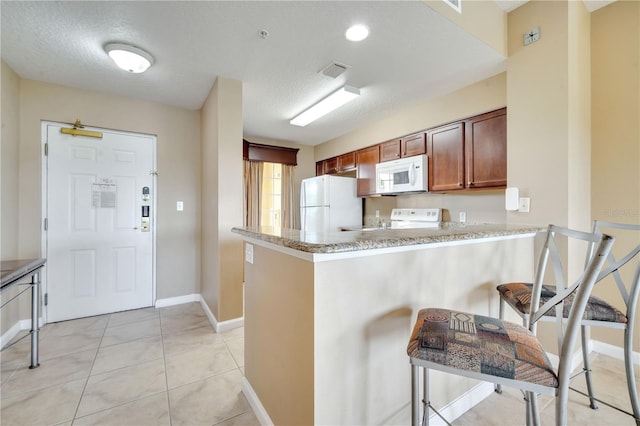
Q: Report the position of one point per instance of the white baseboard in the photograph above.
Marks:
(576, 361)
(11, 333)
(16, 328)
(220, 326)
(179, 300)
(256, 405)
(616, 352)
(462, 404)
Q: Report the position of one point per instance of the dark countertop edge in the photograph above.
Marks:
(18, 268)
(391, 242)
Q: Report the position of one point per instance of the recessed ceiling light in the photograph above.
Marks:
(357, 32)
(129, 58)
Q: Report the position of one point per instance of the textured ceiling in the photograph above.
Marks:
(412, 54)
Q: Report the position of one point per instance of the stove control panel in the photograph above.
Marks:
(415, 218)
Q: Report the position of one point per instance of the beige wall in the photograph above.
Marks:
(10, 146)
(9, 214)
(537, 123)
(222, 253)
(615, 55)
(548, 125)
(178, 166)
(482, 18)
(279, 352)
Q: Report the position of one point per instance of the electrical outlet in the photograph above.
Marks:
(463, 217)
(179, 206)
(248, 253)
(524, 204)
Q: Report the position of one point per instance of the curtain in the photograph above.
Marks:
(252, 192)
(289, 207)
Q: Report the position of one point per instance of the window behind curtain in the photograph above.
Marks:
(271, 197)
(269, 184)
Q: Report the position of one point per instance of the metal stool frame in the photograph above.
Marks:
(583, 285)
(630, 299)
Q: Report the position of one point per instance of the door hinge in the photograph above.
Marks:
(46, 224)
(153, 173)
(46, 149)
(46, 299)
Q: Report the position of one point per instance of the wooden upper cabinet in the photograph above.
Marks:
(486, 150)
(366, 160)
(446, 157)
(331, 165)
(347, 162)
(342, 163)
(413, 144)
(390, 150)
(468, 154)
(407, 146)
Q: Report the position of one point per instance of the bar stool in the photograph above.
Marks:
(501, 352)
(598, 313)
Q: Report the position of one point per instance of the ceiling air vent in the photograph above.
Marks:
(456, 4)
(334, 69)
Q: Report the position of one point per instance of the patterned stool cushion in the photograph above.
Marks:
(519, 296)
(480, 344)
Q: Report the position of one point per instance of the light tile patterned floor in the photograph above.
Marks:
(610, 386)
(150, 366)
(168, 366)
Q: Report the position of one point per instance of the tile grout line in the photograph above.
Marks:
(166, 376)
(84, 387)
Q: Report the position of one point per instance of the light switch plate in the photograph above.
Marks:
(179, 206)
(248, 253)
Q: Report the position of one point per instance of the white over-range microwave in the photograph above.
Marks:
(401, 176)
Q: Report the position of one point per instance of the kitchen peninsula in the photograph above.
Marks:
(328, 315)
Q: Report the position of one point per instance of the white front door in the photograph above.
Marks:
(99, 257)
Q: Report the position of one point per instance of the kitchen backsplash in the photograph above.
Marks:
(483, 207)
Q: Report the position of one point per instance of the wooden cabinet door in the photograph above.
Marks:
(446, 157)
(366, 160)
(414, 144)
(486, 150)
(331, 165)
(390, 150)
(319, 168)
(347, 162)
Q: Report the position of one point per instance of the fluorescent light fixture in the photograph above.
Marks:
(325, 106)
(357, 32)
(129, 58)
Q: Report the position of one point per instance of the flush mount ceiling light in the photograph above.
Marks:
(129, 58)
(325, 106)
(357, 32)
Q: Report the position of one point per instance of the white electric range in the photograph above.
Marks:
(415, 218)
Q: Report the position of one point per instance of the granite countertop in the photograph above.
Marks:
(347, 241)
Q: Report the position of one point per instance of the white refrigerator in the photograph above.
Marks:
(328, 203)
